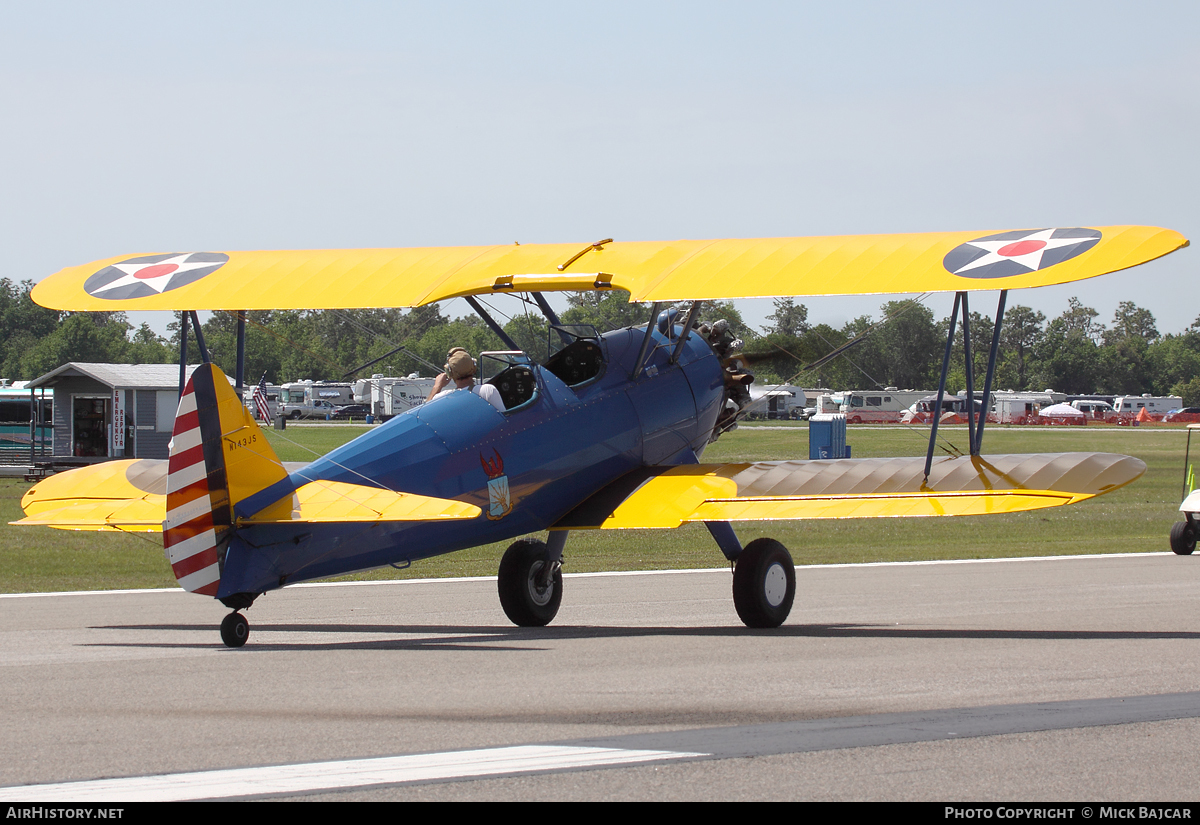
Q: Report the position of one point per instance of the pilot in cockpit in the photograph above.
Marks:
(460, 373)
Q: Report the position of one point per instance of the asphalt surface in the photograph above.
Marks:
(1071, 679)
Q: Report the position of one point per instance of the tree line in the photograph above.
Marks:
(902, 347)
(1073, 353)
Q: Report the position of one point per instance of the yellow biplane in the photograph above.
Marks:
(608, 433)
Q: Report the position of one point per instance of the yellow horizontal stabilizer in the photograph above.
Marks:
(650, 270)
(851, 488)
(128, 516)
(125, 495)
(335, 501)
(131, 496)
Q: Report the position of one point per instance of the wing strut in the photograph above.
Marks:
(183, 335)
(991, 372)
(646, 339)
(970, 365)
(496, 328)
(240, 375)
(687, 330)
(937, 407)
(974, 433)
(204, 357)
(552, 317)
(183, 343)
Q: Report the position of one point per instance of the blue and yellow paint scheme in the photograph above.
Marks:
(622, 449)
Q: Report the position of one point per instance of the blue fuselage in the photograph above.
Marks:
(550, 454)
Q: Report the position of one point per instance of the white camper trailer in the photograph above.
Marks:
(1157, 406)
(779, 401)
(389, 396)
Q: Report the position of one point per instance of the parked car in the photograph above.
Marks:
(1188, 415)
(352, 411)
(317, 409)
(1094, 409)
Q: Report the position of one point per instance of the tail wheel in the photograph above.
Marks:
(1183, 538)
(530, 592)
(235, 630)
(764, 584)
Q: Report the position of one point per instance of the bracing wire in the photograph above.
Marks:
(842, 352)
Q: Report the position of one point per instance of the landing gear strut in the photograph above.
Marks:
(530, 583)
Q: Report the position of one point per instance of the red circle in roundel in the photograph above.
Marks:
(155, 271)
(1020, 248)
(1019, 251)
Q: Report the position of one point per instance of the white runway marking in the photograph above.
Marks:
(352, 773)
(799, 569)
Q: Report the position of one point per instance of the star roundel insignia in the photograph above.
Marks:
(1018, 252)
(152, 274)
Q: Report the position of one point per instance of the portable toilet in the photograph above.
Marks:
(827, 436)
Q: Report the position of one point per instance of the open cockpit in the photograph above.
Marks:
(577, 358)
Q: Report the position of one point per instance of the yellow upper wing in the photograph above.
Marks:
(649, 270)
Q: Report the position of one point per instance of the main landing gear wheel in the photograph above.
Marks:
(764, 584)
(530, 592)
(235, 630)
(1183, 538)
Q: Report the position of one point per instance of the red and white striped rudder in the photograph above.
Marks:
(199, 517)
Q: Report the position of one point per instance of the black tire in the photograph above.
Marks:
(764, 584)
(523, 603)
(295, 416)
(1183, 538)
(235, 630)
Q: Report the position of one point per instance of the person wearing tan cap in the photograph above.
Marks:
(460, 371)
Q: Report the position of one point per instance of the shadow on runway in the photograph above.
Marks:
(509, 638)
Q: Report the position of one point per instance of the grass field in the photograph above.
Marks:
(1134, 519)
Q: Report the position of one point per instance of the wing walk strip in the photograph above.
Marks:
(806, 736)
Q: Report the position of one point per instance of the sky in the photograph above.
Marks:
(159, 127)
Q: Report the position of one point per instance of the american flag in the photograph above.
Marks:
(261, 405)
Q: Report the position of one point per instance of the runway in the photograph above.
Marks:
(1051, 679)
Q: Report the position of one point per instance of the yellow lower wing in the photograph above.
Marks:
(130, 496)
(851, 488)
